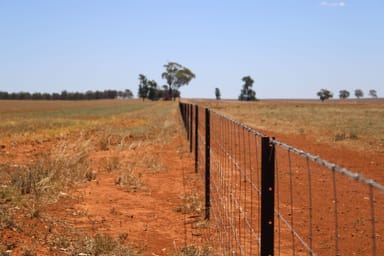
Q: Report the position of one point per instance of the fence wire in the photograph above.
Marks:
(320, 208)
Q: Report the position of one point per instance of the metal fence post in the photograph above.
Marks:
(196, 138)
(207, 164)
(190, 127)
(187, 119)
(267, 196)
(184, 114)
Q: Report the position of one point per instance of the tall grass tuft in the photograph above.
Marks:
(193, 250)
(100, 244)
(65, 166)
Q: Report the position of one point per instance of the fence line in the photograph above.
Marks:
(264, 197)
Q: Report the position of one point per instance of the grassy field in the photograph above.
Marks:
(50, 149)
(356, 123)
(309, 196)
(42, 119)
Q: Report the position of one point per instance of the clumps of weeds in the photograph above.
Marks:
(100, 244)
(29, 252)
(128, 181)
(343, 136)
(45, 178)
(112, 163)
(9, 197)
(151, 164)
(109, 140)
(200, 224)
(353, 136)
(6, 219)
(191, 204)
(103, 141)
(192, 250)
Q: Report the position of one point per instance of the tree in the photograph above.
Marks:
(343, 94)
(143, 87)
(218, 94)
(373, 93)
(359, 93)
(153, 92)
(247, 93)
(324, 94)
(176, 76)
(128, 94)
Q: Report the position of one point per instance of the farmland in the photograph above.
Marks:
(95, 177)
(116, 176)
(349, 133)
(320, 208)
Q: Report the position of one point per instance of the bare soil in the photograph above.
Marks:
(159, 215)
(156, 218)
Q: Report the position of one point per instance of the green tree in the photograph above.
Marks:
(153, 92)
(324, 94)
(343, 94)
(247, 93)
(176, 76)
(217, 93)
(143, 87)
(359, 93)
(373, 93)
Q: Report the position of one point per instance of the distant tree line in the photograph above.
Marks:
(325, 94)
(65, 95)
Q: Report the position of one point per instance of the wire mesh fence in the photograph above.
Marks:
(264, 197)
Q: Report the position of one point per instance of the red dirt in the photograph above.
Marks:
(369, 163)
(147, 218)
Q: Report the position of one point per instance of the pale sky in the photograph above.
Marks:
(291, 48)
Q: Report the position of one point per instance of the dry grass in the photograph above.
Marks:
(37, 120)
(64, 167)
(191, 204)
(68, 135)
(192, 250)
(99, 244)
(360, 124)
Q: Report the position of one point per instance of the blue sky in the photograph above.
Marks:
(291, 48)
